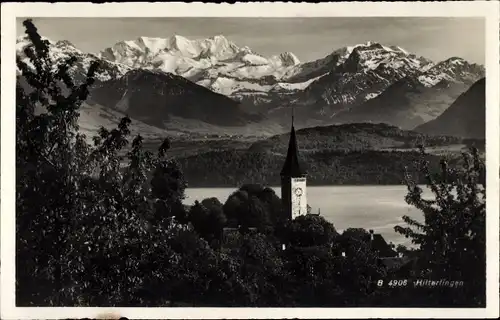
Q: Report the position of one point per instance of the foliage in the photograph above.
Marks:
(261, 268)
(208, 218)
(253, 206)
(331, 269)
(451, 240)
(311, 230)
(85, 226)
(356, 234)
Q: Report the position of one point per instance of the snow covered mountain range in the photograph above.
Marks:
(215, 63)
(353, 83)
(59, 51)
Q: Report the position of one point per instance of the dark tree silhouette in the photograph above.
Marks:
(451, 240)
(85, 227)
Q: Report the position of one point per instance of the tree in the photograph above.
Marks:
(402, 250)
(216, 219)
(268, 198)
(310, 230)
(85, 227)
(358, 234)
(246, 210)
(168, 187)
(208, 219)
(191, 277)
(311, 270)
(50, 154)
(262, 275)
(451, 240)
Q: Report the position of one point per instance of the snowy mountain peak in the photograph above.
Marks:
(23, 41)
(246, 49)
(452, 69)
(457, 64)
(373, 45)
(64, 44)
(205, 61)
(361, 49)
(24, 38)
(373, 55)
(151, 44)
(175, 39)
(142, 51)
(455, 60)
(182, 45)
(61, 51)
(396, 48)
(366, 45)
(288, 59)
(218, 37)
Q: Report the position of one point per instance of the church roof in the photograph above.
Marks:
(291, 167)
(384, 249)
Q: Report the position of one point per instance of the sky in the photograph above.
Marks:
(308, 38)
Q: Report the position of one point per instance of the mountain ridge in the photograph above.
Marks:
(155, 96)
(406, 103)
(330, 90)
(60, 51)
(368, 72)
(465, 117)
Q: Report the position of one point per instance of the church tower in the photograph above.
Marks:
(293, 181)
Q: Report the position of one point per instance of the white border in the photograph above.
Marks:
(489, 10)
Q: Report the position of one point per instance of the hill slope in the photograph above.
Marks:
(233, 168)
(352, 137)
(154, 97)
(466, 117)
(406, 104)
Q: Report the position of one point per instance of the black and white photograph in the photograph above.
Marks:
(250, 160)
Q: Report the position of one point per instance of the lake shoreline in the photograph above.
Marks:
(309, 184)
(377, 207)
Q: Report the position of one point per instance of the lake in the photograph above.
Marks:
(371, 207)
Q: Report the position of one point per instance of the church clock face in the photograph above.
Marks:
(298, 192)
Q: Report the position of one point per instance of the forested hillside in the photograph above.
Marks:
(353, 137)
(353, 154)
(232, 168)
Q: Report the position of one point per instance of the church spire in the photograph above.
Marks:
(291, 167)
